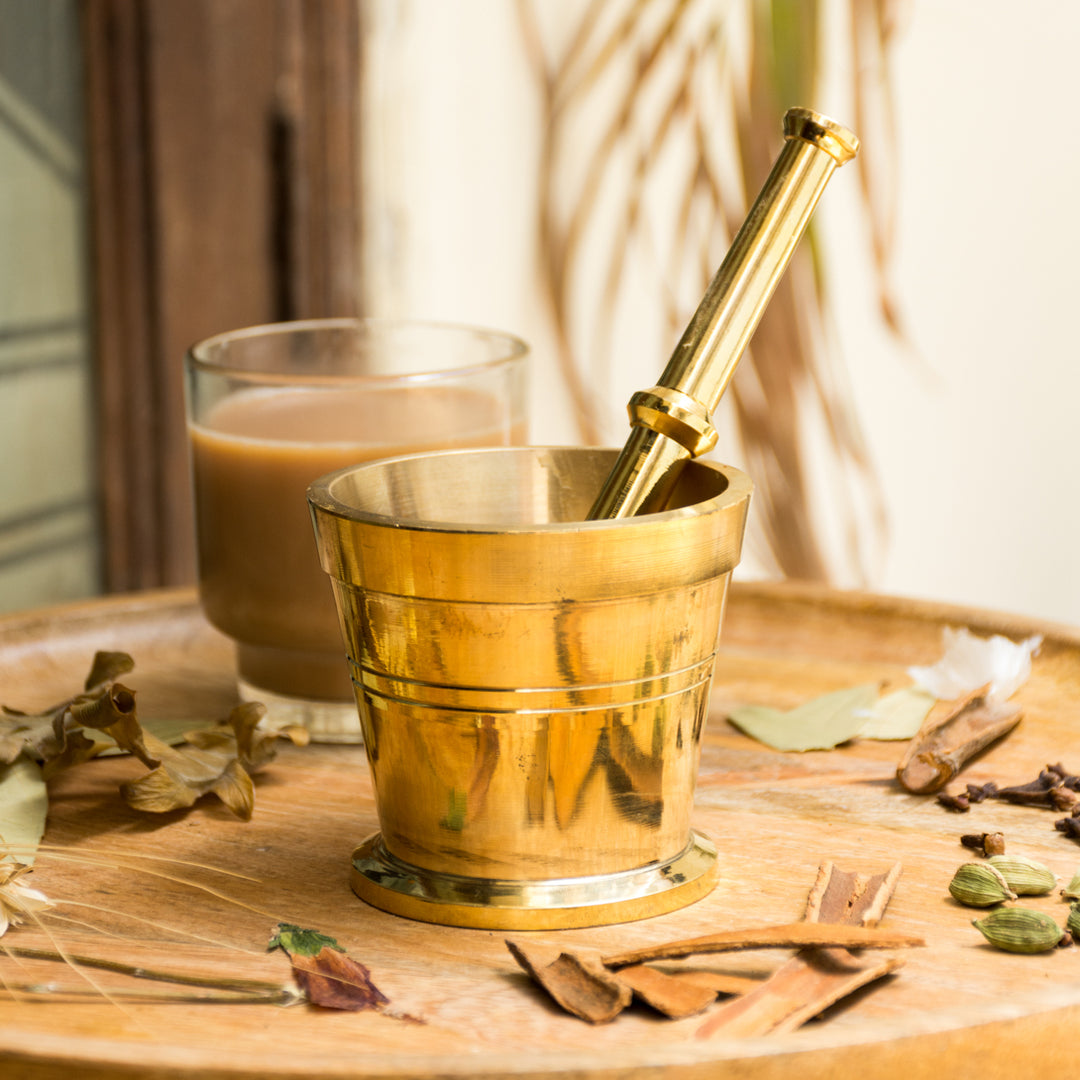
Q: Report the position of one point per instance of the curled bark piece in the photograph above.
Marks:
(808, 986)
(672, 995)
(579, 983)
(952, 734)
(814, 979)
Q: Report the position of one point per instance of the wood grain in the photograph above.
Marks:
(774, 817)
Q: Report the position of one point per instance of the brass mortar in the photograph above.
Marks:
(532, 686)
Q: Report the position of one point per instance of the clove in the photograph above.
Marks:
(985, 843)
(959, 803)
(1070, 826)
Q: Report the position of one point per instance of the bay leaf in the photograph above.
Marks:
(898, 715)
(24, 804)
(819, 724)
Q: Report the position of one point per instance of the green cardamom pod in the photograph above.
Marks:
(1019, 930)
(1026, 877)
(1072, 890)
(978, 884)
(1072, 924)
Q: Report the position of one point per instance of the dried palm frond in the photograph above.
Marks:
(661, 121)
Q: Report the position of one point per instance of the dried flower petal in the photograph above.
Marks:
(970, 662)
(18, 902)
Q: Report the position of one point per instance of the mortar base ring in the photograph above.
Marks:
(400, 888)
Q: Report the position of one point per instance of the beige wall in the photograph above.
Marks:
(973, 427)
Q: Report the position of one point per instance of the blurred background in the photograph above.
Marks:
(572, 172)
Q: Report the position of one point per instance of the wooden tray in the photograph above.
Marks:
(957, 1008)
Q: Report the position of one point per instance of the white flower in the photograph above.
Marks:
(970, 662)
(18, 901)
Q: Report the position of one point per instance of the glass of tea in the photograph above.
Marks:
(271, 408)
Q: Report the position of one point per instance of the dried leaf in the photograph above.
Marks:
(172, 730)
(323, 971)
(24, 803)
(43, 737)
(952, 734)
(576, 981)
(50, 736)
(898, 715)
(112, 711)
(334, 981)
(969, 662)
(216, 761)
(107, 667)
(820, 724)
(185, 775)
(295, 940)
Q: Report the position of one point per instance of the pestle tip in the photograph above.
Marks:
(835, 139)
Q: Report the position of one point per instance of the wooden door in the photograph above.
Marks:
(223, 163)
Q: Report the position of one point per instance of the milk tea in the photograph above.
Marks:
(253, 457)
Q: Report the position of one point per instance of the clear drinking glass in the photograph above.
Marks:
(270, 408)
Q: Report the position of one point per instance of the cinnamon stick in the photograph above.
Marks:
(672, 995)
(815, 978)
(790, 936)
(953, 733)
(576, 981)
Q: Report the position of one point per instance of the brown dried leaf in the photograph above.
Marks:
(576, 981)
(952, 734)
(184, 776)
(111, 709)
(73, 749)
(216, 761)
(241, 736)
(48, 736)
(107, 667)
(335, 981)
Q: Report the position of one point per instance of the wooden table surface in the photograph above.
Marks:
(958, 1007)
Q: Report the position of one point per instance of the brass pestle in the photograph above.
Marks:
(672, 422)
